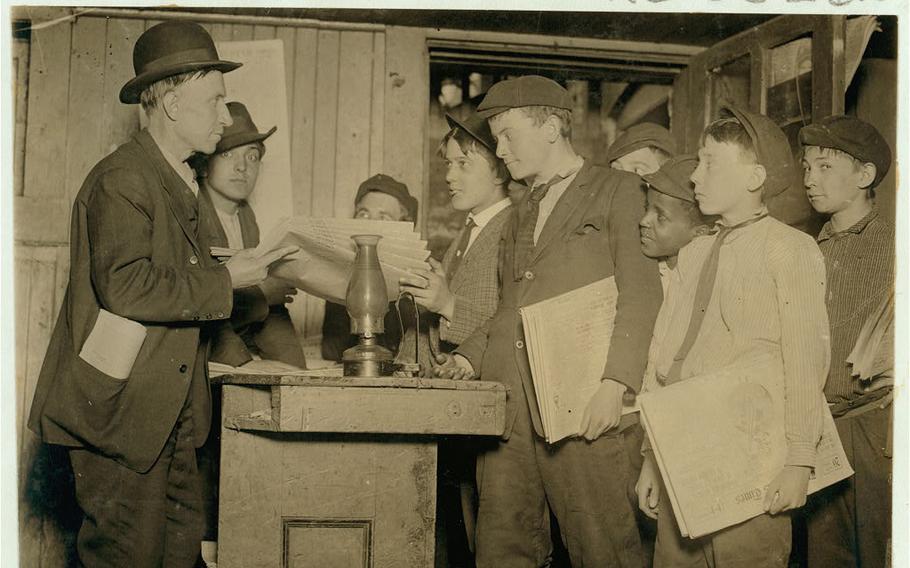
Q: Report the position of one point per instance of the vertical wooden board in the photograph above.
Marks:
(120, 120)
(352, 143)
(241, 32)
(679, 104)
(407, 109)
(23, 284)
(61, 279)
(41, 316)
(286, 35)
(49, 78)
(263, 32)
(221, 32)
(303, 118)
(86, 100)
(377, 111)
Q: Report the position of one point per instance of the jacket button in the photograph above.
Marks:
(529, 275)
(220, 315)
(194, 260)
(183, 368)
(519, 344)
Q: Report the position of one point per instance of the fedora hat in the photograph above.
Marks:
(242, 131)
(168, 49)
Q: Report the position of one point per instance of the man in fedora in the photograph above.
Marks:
(124, 384)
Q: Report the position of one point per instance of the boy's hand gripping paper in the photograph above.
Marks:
(113, 345)
(568, 337)
(719, 440)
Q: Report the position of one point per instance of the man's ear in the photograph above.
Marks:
(170, 104)
(554, 127)
(757, 177)
(867, 174)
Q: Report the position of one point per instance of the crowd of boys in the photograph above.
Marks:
(706, 280)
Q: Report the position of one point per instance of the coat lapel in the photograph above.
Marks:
(209, 224)
(567, 205)
(172, 185)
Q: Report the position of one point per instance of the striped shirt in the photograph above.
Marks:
(768, 302)
(860, 264)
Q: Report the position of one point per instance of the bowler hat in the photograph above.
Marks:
(643, 135)
(771, 148)
(169, 49)
(390, 186)
(476, 126)
(527, 90)
(242, 131)
(853, 136)
(673, 178)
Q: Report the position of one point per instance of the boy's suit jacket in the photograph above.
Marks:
(475, 284)
(133, 252)
(591, 234)
(269, 328)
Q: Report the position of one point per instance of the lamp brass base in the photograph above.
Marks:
(367, 360)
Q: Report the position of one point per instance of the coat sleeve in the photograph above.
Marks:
(228, 347)
(119, 216)
(638, 283)
(277, 340)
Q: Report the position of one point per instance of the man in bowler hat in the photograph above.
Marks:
(137, 263)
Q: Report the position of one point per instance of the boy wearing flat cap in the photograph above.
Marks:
(642, 149)
(753, 291)
(576, 225)
(379, 198)
(140, 272)
(844, 159)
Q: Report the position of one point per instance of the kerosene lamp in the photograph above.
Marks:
(367, 301)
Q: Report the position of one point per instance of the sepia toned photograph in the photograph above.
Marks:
(512, 287)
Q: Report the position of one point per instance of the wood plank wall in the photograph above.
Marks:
(358, 105)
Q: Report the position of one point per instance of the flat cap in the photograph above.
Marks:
(476, 126)
(527, 90)
(390, 186)
(642, 135)
(853, 136)
(673, 178)
(771, 148)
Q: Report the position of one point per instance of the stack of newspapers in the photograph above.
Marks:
(719, 440)
(322, 267)
(568, 338)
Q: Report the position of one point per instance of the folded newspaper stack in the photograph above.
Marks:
(322, 267)
(719, 440)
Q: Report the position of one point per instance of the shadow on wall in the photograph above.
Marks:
(49, 509)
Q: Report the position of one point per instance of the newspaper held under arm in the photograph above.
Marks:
(568, 337)
(719, 440)
(323, 264)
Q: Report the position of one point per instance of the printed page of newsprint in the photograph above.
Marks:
(766, 138)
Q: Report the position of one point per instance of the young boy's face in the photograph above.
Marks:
(521, 144)
(831, 178)
(667, 225)
(233, 173)
(721, 178)
(473, 185)
(378, 206)
(642, 161)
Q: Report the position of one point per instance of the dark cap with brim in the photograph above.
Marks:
(168, 49)
(242, 131)
(476, 126)
(643, 135)
(674, 178)
(853, 136)
(390, 186)
(771, 148)
(528, 90)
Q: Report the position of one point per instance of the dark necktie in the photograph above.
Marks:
(524, 239)
(463, 241)
(703, 292)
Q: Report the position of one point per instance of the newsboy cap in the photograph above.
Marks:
(242, 131)
(390, 186)
(642, 135)
(476, 126)
(771, 148)
(171, 48)
(673, 178)
(527, 90)
(853, 136)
